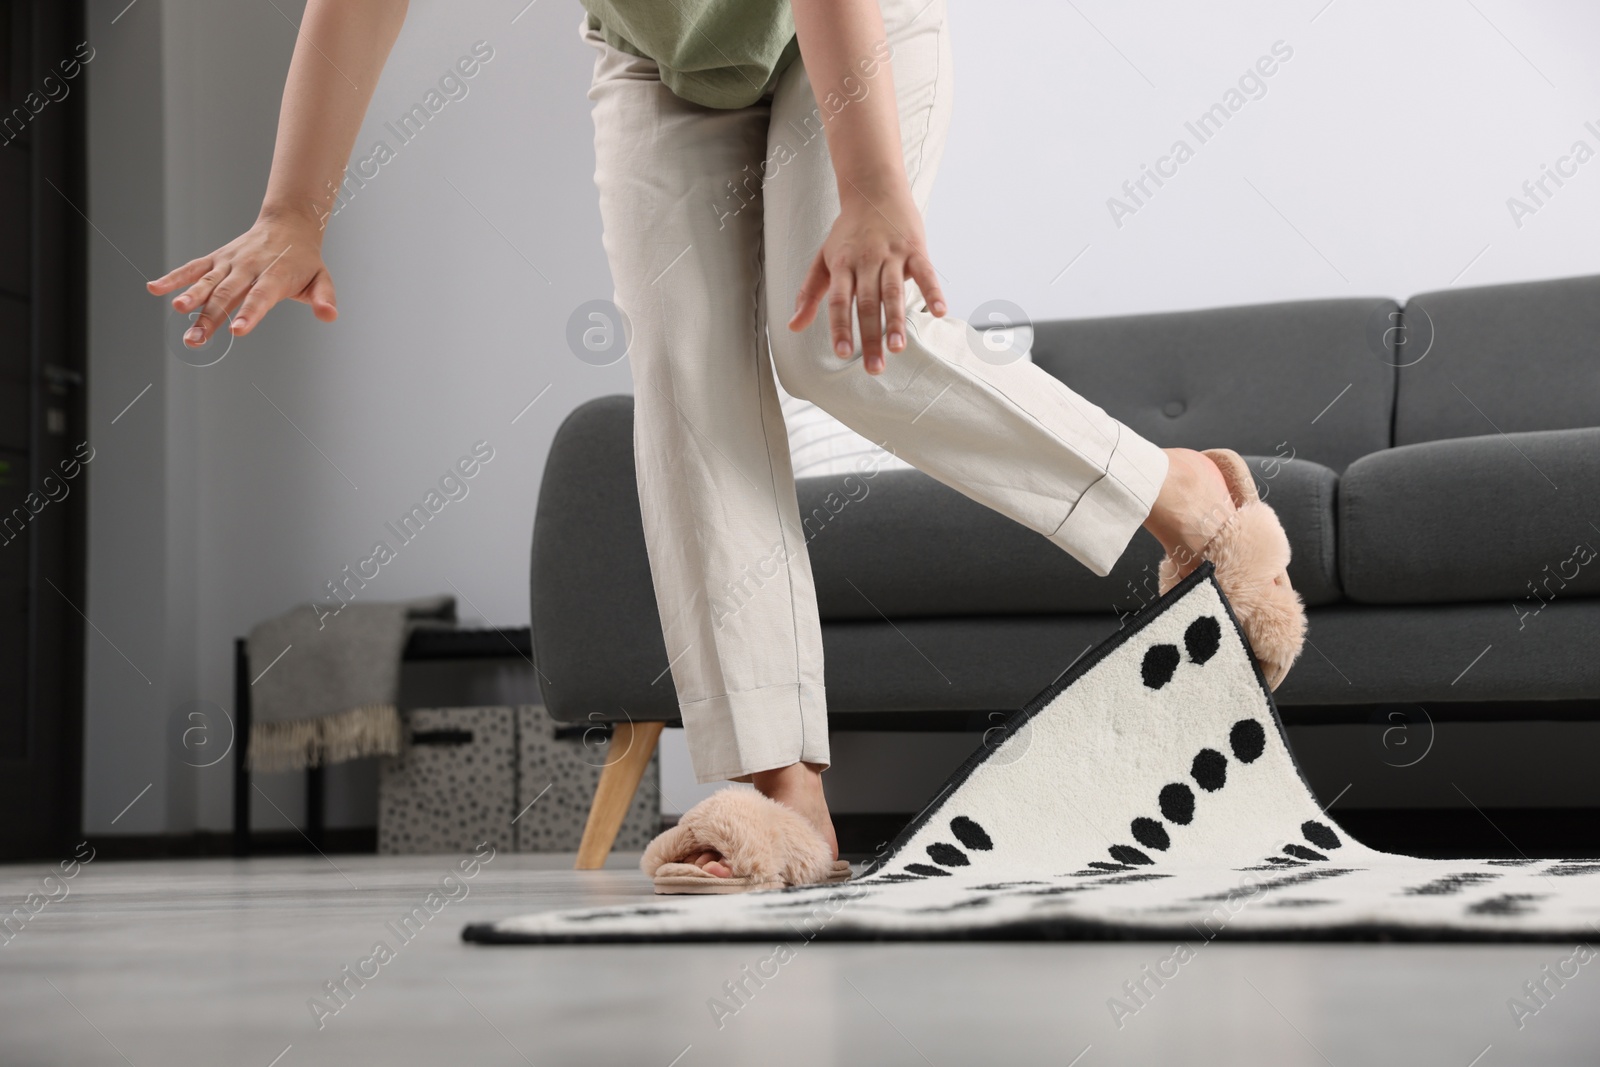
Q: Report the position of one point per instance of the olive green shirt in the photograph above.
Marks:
(718, 53)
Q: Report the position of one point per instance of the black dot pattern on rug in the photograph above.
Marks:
(1159, 663)
(1203, 638)
(925, 869)
(1248, 739)
(1506, 904)
(1210, 770)
(1128, 854)
(1177, 803)
(1300, 852)
(970, 834)
(948, 855)
(1151, 834)
(1319, 834)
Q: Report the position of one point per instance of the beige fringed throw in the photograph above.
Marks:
(326, 684)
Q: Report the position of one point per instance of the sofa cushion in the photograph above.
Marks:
(1313, 377)
(1474, 518)
(1503, 358)
(902, 545)
(1354, 654)
(1460, 654)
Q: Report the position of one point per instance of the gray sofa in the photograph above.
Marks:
(1437, 468)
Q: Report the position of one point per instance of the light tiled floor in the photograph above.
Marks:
(215, 961)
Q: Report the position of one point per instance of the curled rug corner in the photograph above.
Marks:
(1146, 793)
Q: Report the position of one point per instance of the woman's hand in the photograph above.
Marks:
(338, 58)
(875, 246)
(280, 256)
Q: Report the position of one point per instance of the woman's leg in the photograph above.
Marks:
(682, 224)
(1010, 436)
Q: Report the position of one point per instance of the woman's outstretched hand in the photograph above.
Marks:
(875, 246)
(338, 57)
(279, 257)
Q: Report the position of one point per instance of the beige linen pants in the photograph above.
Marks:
(711, 216)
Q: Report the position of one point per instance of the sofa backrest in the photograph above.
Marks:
(1313, 379)
(1500, 358)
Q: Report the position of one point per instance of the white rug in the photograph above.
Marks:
(1147, 793)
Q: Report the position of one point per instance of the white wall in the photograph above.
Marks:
(1381, 158)
(1390, 141)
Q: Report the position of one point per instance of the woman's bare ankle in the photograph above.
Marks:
(799, 786)
(1193, 504)
(794, 776)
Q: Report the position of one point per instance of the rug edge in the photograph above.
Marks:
(1078, 931)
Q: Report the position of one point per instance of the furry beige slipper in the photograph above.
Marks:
(764, 843)
(1251, 555)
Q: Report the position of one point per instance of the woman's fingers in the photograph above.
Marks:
(921, 269)
(275, 260)
(869, 313)
(197, 294)
(893, 287)
(319, 294)
(187, 274)
(873, 286)
(812, 290)
(841, 290)
(268, 289)
(224, 295)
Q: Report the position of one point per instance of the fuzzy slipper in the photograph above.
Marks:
(764, 843)
(1251, 556)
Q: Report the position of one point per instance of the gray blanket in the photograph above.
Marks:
(325, 686)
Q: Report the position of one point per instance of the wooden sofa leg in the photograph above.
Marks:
(619, 780)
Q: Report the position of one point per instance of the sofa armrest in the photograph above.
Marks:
(1507, 517)
(597, 640)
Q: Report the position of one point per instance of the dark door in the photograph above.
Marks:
(43, 440)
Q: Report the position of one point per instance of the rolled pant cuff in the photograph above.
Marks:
(738, 734)
(1098, 528)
